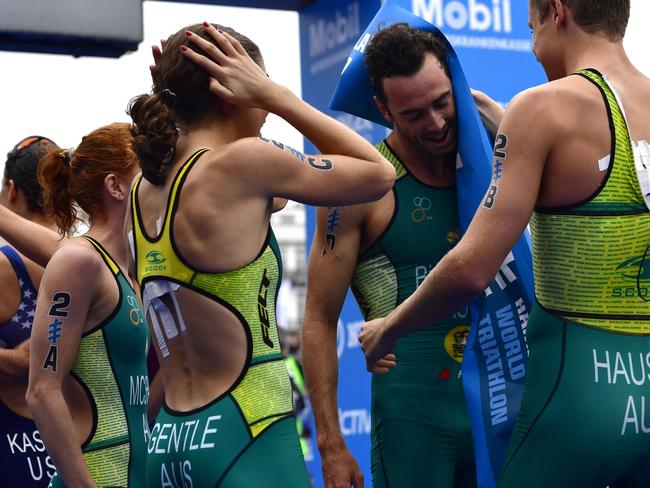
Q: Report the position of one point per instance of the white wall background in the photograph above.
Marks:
(65, 98)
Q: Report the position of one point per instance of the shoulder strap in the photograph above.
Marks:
(179, 179)
(386, 151)
(105, 256)
(171, 201)
(19, 267)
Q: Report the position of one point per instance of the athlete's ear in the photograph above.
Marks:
(559, 11)
(12, 191)
(115, 187)
(383, 109)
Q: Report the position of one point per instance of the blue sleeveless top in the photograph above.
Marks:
(19, 327)
(24, 463)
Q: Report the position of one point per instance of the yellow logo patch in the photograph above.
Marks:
(455, 342)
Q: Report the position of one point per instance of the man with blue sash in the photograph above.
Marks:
(421, 433)
(443, 161)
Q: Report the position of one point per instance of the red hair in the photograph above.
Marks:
(75, 179)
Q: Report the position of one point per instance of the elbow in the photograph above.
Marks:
(36, 396)
(471, 278)
(32, 397)
(384, 180)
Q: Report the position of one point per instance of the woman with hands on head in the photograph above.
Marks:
(206, 259)
(88, 384)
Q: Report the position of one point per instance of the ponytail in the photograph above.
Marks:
(154, 133)
(54, 177)
(74, 179)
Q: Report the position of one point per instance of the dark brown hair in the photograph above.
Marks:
(22, 165)
(79, 177)
(400, 50)
(180, 97)
(593, 16)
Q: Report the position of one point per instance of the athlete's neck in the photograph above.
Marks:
(109, 233)
(592, 51)
(210, 134)
(429, 169)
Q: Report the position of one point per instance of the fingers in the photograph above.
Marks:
(235, 43)
(215, 53)
(156, 53)
(208, 65)
(357, 479)
(221, 39)
(218, 89)
(381, 367)
(386, 363)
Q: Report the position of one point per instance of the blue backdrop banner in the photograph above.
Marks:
(495, 359)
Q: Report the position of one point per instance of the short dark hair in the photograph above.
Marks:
(593, 16)
(22, 165)
(400, 50)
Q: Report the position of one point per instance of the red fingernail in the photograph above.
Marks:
(220, 31)
(188, 33)
(183, 48)
(206, 24)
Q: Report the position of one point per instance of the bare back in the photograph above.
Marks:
(218, 228)
(580, 136)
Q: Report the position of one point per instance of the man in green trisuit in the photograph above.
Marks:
(420, 426)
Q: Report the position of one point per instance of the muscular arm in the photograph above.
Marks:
(63, 303)
(328, 279)
(469, 268)
(29, 238)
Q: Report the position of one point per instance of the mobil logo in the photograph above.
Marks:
(477, 15)
(326, 35)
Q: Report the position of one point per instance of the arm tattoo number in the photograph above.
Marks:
(61, 301)
(500, 144)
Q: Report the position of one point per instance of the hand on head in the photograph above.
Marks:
(234, 76)
(156, 52)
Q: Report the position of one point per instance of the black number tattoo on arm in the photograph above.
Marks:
(500, 143)
(317, 163)
(60, 304)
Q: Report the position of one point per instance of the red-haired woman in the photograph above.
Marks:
(89, 331)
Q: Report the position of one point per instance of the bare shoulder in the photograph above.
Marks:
(229, 158)
(236, 152)
(556, 98)
(10, 296)
(75, 259)
(6, 270)
(546, 110)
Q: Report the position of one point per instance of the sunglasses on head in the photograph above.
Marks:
(24, 144)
